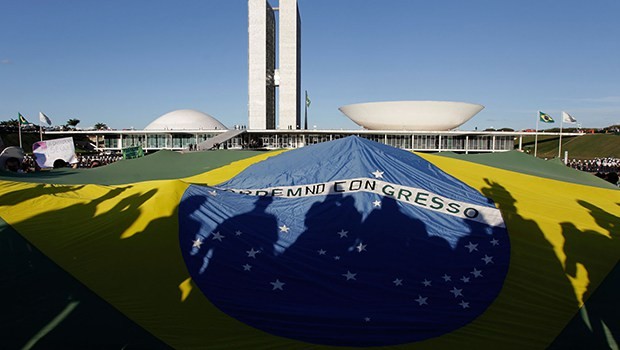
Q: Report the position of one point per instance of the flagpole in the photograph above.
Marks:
(306, 112)
(536, 135)
(560, 145)
(41, 131)
(19, 132)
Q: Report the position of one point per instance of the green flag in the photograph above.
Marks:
(545, 118)
(133, 152)
(22, 120)
(307, 100)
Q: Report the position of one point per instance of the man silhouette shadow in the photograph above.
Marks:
(536, 264)
(595, 251)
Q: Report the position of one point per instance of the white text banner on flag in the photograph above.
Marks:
(405, 194)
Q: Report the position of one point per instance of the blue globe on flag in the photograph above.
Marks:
(347, 243)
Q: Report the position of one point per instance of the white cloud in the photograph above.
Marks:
(6, 61)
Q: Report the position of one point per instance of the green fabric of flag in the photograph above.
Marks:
(307, 100)
(22, 120)
(545, 118)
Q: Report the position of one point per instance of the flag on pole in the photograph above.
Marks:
(567, 118)
(44, 119)
(545, 118)
(307, 100)
(22, 120)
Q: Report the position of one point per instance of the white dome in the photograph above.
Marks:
(411, 115)
(185, 119)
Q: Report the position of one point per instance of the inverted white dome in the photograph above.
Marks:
(411, 115)
(185, 119)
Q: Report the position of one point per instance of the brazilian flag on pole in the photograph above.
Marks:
(545, 118)
(22, 120)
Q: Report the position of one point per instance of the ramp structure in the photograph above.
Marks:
(219, 139)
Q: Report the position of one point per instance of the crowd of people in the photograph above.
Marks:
(95, 160)
(27, 164)
(605, 168)
(596, 165)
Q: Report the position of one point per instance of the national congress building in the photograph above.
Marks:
(274, 113)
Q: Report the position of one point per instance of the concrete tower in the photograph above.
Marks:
(263, 76)
(290, 66)
(262, 64)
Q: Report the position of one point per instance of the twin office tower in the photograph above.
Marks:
(263, 76)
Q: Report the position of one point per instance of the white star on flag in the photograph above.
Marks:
(378, 174)
(361, 247)
(367, 319)
(464, 304)
(426, 283)
(456, 292)
(477, 273)
(446, 278)
(487, 259)
(277, 284)
(336, 257)
(342, 233)
(472, 247)
(197, 243)
(284, 228)
(238, 233)
(349, 275)
(321, 252)
(376, 203)
(465, 279)
(252, 253)
(398, 282)
(495, 242)
(421, 300)
(247, 267)
(217, 236)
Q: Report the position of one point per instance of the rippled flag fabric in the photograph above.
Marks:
(345, 243)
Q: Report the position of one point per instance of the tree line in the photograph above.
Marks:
(71, 124)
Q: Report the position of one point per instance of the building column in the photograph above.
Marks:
(466, 144)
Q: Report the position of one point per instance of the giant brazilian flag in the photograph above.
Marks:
(348, 243)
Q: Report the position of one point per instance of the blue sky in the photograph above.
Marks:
(125, 63)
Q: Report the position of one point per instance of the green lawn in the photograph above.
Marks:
(580, 147)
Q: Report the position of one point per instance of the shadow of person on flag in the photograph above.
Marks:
(607, 221)
(255, 231)
(436, 280)
(232, 249)
(389, 233)
(24, 194)
(595, 251)
(331, 226)
(536, 278)
(69, 236)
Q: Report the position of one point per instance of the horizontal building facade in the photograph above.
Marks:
(427, 141)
